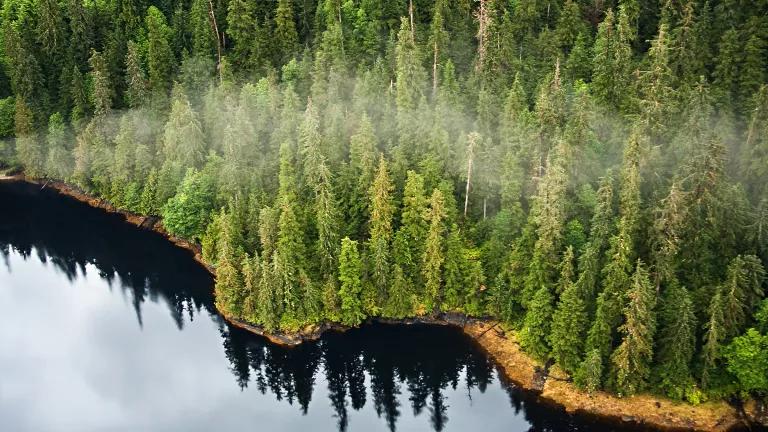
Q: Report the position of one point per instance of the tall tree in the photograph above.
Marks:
(632, 359)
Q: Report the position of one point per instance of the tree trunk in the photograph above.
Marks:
(215, 29)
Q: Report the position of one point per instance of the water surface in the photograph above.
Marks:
(104, 327)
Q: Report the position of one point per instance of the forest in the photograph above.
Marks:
(593, 174)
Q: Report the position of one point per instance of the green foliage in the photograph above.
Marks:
(569, 322)
(350, 273)
(339, 119)
(537, 324)
(677, 342)
(590, 374)
(632, 359)
(747, 359)
(187, 213)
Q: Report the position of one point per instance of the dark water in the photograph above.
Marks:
(104, 327)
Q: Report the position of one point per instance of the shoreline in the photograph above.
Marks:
(550, 386)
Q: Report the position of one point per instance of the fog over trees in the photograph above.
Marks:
(592, 174)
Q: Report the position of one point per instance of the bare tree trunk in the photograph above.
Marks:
(215, 29)
(341, 29)
(483, 22)
(410, 13)
(434, 70)
(472, 138)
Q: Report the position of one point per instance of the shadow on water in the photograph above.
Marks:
(395, 370)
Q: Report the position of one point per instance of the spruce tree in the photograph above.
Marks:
(350, 291)
(285, 32)
(569, 322)
(677, 341)
(380, 227)
(160, 58)
(632, 359)
(434, 253)
(537, 324)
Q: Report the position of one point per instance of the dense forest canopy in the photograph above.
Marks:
(593, 174)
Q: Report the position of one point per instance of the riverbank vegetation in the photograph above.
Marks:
(594, 175)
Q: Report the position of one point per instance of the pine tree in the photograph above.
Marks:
(136, 92)
(350, 292)
(677, 341)
(242, 28)
(160, 58)
(58, 164)
(413, 221)
(434, 253)
(148, 202)
(632, 359)
(611, 62)
(290, 250)
(590, 373)
(318, 177)
(714, 337)
(358, 177)
(102, 85)
(380, 226)
(401, 298)
(569, 322)
(27, 145)
(285, 32)
(537, 324)
(549, 218)
(229, 282)
(617, 271)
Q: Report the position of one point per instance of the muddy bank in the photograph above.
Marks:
(551, 386)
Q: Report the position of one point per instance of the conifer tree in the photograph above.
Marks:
(632, 359)
(677, 341)
(358, 177)
(242, 28)
(318, 177)
(413, 222)
(102, 85)
(380, 226)
(537, 323)
(433, 258)
(27, 145)
(290, 253)
(285, 32)
(350, 292)
(159, 55)
(569, 322)
(58, 163)
(617, 271)
(136, 83)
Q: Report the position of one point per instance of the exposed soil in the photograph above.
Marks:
(502, 346)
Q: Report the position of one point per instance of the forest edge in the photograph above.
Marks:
(549, 383)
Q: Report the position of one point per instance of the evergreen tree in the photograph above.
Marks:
(350, 292)
(136, 92)
(27, 145)
(285, 32)
(569, 322)
(677, 341)
(537, 323)
(434, 253)
(58, 163)
(632, 359)
(160, 58)
(380, 226)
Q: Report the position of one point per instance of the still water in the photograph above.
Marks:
(104, 327)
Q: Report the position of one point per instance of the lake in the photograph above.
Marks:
(106, 327)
